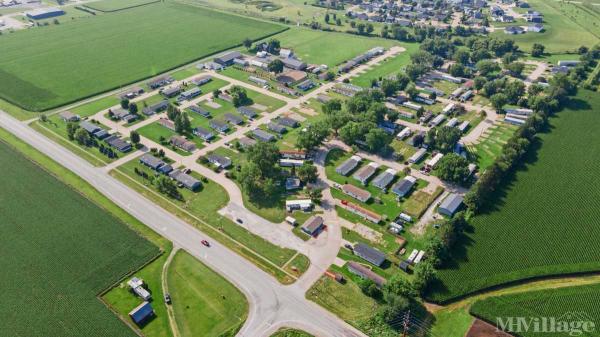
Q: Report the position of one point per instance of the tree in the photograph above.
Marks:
(133, 108)
(393, 310)
(377, 140)
(216, 93)
(315, 194)
(412, 91)
(498, 101)
(513, 91)
(369, 288)
(240, 96)
(361, 28)
(327, 17)
(398, 285)
(389, 87)
(516, 69)
(424, 275)
(183, 124)
(462, 56)
(369, 28)
(166, 186)
(247, 43)
(486, 67)
(273, 46)
(332, 106)
(337, 120)
(134, 136)
(313, 136)
(338, 22)
(125, 103)
(307, 173)
(537, 50)
(354, 131)
(453, 168)
(443, 139)
(82, 137)
(457, 70)
(276, 66)
(71, 128)
(329, 76)
(266, 157)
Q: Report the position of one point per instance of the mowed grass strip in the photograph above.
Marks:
(205, 304)
(546, 222)
(59, 251)
(571, 304)
(55, 65)
(117, 5)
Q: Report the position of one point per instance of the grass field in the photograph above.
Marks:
(313, 46)
(569, 303)
(117, 5)
(490, 144)
(205, 304)
(389, 67)
(45, 68)
(66, 257)
(285, 332)
(565, 28)
(546, 221)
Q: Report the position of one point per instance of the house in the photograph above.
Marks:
(291, 77)
(384, 179)
(412, 106)
(356, 193)
(365, 172)
(313, 225)
(514, 121)
(247, 142)
(227, 58)
(155, 108)
(262, 135)
(348, 165)
(286, 53)
(201, 80)
(513, 30)
(560, 70)
(220, 162)
(141, 313)
(285, 162)
(156, 164)
(68, 116)
(219, 126)
(186, 180)
(289, 122)
(292, 63)
(536, 28)
(292, 183)
(89, 127)
(304, 205)
(463, 126)
(203, 133)
(130, 118)
(452, 122)
(132, 93)
(361, 211)
(160, 82)
(167, 123)
(568, 63)
(292, 154)
(306, 85)
(519, 111)
(432, 163)
(369, 254)
(450, 204)
(44, 13)
(456, 93)
(365, 273)
(189, 94)
(200, 111)
(247, 112)
(171, 92)
(137, 285)
(402, 187)
(119, 113)
(233, 119)
(417, 156)
(280, 129)
(437, 120)
(118, 143)
(182, 143)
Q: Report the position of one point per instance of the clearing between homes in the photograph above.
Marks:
(59, 252)
(546, 222)
(51, 66)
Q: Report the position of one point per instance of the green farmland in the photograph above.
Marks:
(117, 5)
(45, 68)
(553, 199)
(557, 303)
(62, 255)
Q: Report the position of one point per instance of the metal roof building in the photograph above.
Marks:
(451, 204)
(348, 165)
(384, 178)
(404, 186)
(369, 254)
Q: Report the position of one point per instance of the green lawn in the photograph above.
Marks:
(490, 144)
(49, 67)
(93, 107)
(582, 301)
(156, 132)
(65, 260)
(116, 5)
(214, 84)
(200, 209)
(185, 73)
(386, 68)
(205, 304)
(319, 47)
(545, 222)
(565, 30)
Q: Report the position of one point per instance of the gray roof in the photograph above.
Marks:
(313, 224)
(118, 143)
(263, 135)
(219, 125)
(233, 119)
(219, 160)
(347, 166)
(450, 204)
(364, 272)
(293, 63)
(203, 133)
(276, 127)
(185, 179)
(192, 92)
(199, 110)
(151, 161)
(89, 126)
(154, 108)
(369, 253)
(228, 57)
(287, 121)
(402, 187)
(246, 111)
(383, 179)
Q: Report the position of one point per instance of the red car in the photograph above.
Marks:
(204, 242)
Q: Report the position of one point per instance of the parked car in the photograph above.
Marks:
(167, 298)
(239, 220)
(204, 242)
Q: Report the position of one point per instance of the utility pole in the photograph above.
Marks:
(406, 324)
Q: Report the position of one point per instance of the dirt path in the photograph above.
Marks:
(165, 290)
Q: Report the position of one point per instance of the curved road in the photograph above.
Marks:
(271, 304)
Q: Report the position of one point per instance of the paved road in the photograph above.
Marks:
(271, 304)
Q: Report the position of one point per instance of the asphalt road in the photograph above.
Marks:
(272, 305)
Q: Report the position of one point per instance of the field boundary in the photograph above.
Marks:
(122, 8)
